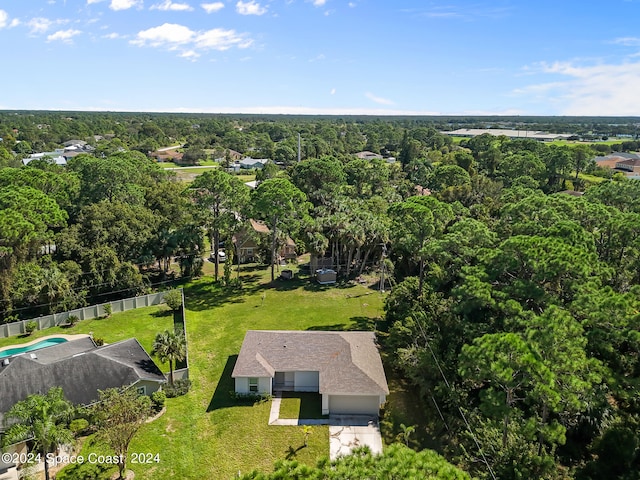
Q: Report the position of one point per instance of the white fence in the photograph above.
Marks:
(86, 313)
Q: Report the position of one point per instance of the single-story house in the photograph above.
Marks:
(247, 243)
(167, 155)
(367, 155)
(257, 163)
(56, 157)
(344, 367)
(629, 165)
(80, 368)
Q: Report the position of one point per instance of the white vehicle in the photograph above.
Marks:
(221, 256)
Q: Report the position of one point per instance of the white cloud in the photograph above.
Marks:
(352, 4)
(14, 23)
(113, 36)
(65, 36)
(250, 8)
(380, 100)
(319, 3)
(168, 5)
(600, 89)
(212, 7)
(4, 17)
(39, 25)
(190, 55)
(220, 39)
(627, 41)
(333, 91)
(89, 2)
(124, 4)
(179, 37)
(168, 34)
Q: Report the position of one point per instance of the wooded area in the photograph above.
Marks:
(515, 280)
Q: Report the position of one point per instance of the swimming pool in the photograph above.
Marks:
(29, 348)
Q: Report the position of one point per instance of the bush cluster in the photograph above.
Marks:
(179, 388)
(249, 397)
(158, 399)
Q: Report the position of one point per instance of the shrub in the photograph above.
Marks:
(31, 327)
(78, 426)
(173, 299)
(72, 320)
(157, 400)
(99, 341)
(249, 397)
(107, 309)
(179, 388)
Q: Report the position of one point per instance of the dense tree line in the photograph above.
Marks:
(514, 306)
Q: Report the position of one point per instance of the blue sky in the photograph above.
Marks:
(561, 57)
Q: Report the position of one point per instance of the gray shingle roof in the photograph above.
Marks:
(347, 362)
(79, 367)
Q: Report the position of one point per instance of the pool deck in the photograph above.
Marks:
(66, 337)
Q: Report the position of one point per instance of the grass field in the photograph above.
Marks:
(142, 323)
(206, 434)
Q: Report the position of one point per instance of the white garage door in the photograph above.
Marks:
(353, 404)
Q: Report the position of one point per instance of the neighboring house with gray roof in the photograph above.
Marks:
(344, 367)
(80, 368)
(257, 163)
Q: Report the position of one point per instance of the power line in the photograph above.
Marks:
(464, 418)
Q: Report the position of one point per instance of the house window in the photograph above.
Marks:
(249, 251)
(253, 385)
(142, 390)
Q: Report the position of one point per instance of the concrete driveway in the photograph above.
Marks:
(348, 432)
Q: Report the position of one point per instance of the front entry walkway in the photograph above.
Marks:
(346, 432)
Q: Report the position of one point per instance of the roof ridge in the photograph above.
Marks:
(357, 364)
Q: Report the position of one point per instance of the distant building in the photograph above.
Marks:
(55, 157)
(511, 134)
(367, 155)
(629, 165)
(255, 163)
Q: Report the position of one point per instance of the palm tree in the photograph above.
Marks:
(170, 347)
(44, 419)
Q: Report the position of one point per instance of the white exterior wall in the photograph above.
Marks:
(306, 381)
(325, 404)
(242, 385)
(264, 385)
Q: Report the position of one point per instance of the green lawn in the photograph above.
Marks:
(205, 434)
(142, 323)
(301, 405)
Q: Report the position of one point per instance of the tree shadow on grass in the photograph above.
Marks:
(291, 452)
(163, 312)
(313, 286)
(207, 295)
(222, 396)
(357, 324)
